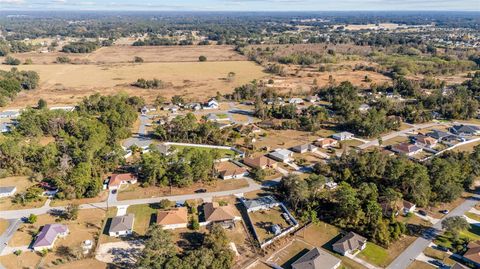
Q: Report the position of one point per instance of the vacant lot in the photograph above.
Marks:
(264, 220)
(68, 84)
(123, 54)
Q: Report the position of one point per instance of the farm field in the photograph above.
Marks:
(68, 84)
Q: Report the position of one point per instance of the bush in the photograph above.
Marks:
(165, 203)
(17, 252)
(149, 84)
(63, 60)
(202, 58)
(137, 59)
(12, 61)
(32, 219)
(195, 225)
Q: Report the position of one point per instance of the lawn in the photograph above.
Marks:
(472, 234)
(439, 255)
(263, 221)
(472, 216)
(223, 153)
(375, 254)
(420, 265)
(144, 216)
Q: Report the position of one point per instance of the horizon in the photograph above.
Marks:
(243, 5)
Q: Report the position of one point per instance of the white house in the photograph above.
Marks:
(343, 136)
(281, 155)
(211, 104)
(7, 191)
(295, 101)
(48, 235)
(121, 225)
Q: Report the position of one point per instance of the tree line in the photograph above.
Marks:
(14, 81)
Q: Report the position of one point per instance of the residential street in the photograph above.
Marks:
(417, 247)
(12, 228)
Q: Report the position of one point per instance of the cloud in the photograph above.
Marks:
(12, 2)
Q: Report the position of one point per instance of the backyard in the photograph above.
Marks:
(264, 220)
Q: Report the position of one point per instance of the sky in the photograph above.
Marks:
(242, 5)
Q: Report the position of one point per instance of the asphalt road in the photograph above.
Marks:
(7, 235)
(417, 247)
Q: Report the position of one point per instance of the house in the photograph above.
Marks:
(425, 141)
(438, 135)
(350, 243)
(48, 235)
(458, 266)
(260, 162)
(229, 170)
(121, 225)
(343, 136)
(247, 129)
(281, 155)
(211, 104)
(63, 108)
(304, 148)
(261, 203)
(194, 106)
(171, 108)
(217, 117)
(9, 114)
(312, 98)
(7, 191)
(173, 219)
(215, 213)
(331, 185)
(5, 127)
(295, 101)
(116, 180)
(465, 130)
(473, 253)
(406, 149)
(163, 148)
(325, 142)
(49, 189)
(317, 259)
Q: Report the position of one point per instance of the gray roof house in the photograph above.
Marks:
(49, 234)
(465, 130)
(304, 148)
(7, 191)
(261, 203)
(350, 243)
(439, 135)
(163, 148)
(317, 259)
(281, 155)
(121, 225)
(343, 136)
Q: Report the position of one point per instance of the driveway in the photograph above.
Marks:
(13, 226)
(419, 245)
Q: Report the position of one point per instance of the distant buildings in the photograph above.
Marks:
(350, 243)
(317, 259)
(465, 130)
(121, 225)
(425, 141)
(304, 148)
(48, 235)
(211, 104)
(325, 142)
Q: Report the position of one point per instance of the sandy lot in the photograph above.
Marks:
(123, 54)
(68, 84)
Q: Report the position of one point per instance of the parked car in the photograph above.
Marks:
(201, 191)
(114, 191)
(422, 212)
(445, 211)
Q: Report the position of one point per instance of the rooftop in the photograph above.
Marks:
(122, 223)
(49, 234)
(178, 215)
(316, 259)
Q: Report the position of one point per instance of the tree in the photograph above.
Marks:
(137, 59)
(455, 225)
(202, 58)
(32, 218)
(12, 61)
(159, 248)
(42, 104)
(71, 212)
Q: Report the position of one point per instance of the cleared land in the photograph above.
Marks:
(68, 84)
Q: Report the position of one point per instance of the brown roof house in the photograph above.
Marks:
(425, 141)
(317, 259)
(229, 170)
(261, 162)
(173, 219)
(121, 225)
(116, 180)
(325, 142)
(49, 234)
(350, 243)
(215, 213)
(473, 253)
(406, 149)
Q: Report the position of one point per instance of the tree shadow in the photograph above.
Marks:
(288, 264)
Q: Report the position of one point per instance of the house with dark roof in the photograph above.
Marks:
(304, 148)
(465, 130)
(116, 180)
(473, 253)
(350, 243)
(121, 225)
(229, 170)
(317, 259)
(173, 218)
(261, 162)
(438, 135)
(261, 203)
(406, 149)
(325, 142)
(48, 235)
(163, 148)
(7, 191)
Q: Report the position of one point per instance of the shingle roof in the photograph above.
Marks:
(215, 212)
(316, 259)
(7, 189)
(122, 223)
(49, 233)
(303, 147)
(262, 201)
(405, 148)
(116, 179)
(175, 216)
(226, 169)
(466, 128)
(259, 161)
(437, 134)
(349, 242)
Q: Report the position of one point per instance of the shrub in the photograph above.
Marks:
(165, 203)
(32, 218)
(63, 60)
(149, 84)
(137, 59)
(202, 58)
(12, 61)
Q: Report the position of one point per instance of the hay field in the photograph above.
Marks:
(67, 84)
(125, 54)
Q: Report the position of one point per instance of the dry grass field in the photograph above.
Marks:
(125, 54)
(67, 84)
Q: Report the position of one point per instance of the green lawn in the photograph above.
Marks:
(472, 234)
(473, 216)
(222, 152)
(375, 255)
(143, 217)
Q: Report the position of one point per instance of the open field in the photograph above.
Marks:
(68, 84)
(124, 54)
(137, 192)
(223, 153)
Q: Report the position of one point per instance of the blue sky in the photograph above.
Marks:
(242, 5)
